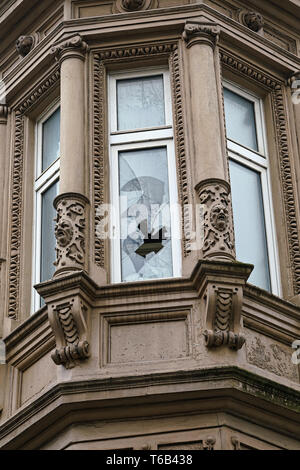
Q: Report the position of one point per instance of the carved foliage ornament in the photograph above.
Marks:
(201, 32)
(223, 313)
(70, 232)
(218, 238)
(68, 321)
(72, 43)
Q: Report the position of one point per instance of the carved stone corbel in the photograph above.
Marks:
(71, 222)
(217, 229)
(209, 443)
(199, 32)
(68, 319)
(223, 316)
(221, 290)
(72, 45)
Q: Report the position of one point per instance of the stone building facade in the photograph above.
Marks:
(183, 342)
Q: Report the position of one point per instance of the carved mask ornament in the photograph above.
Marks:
(24, 45)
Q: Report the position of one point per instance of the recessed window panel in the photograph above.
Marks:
(48, 241)
(249, 222)
(240, 119)
(51, 139)
(146, 250)
(140, 102)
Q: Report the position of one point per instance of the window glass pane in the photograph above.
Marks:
(249, 222)
(146, 250)
(240, 119)
(140, 102)
(47, 232)
(51, 139)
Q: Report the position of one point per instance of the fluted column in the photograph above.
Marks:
(71, 203)
(208, 140)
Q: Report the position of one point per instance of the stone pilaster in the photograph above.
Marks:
(208, 140)
(72, 204)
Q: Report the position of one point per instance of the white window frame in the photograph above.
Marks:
(42, 182)
(259, 161)
(152, 137)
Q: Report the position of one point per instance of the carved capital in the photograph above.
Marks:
(252, 20)
(24, 44)
(217, 223)
(70, 232)
(223, 313)
(196, 32)
(73, 46)
(68, 319)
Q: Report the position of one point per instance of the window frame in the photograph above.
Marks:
(43, 180)
(135, 139)
(259, 162)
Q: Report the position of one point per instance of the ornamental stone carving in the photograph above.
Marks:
(198, 32)
(24, 45)
(223, 313)
(70, 232)
(217, 229)
(3, 113)
(73, 44)
(132, 5)
(252, 20)
(68, 320)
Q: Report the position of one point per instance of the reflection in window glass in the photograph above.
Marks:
(48, 238)
(140, 102)
(51, 139)
(240, 119)
(145, 214)
(249, 222)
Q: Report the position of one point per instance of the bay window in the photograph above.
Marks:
(46, 189)
(145, 242)
(251, 196)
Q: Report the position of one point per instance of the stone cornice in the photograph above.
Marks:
(225, 385)
(201, 32)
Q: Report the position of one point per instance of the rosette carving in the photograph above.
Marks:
(24, 44)
(217, 223)
(252, 20)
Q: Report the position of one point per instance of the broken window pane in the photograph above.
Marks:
(140, 102)
(146, 249)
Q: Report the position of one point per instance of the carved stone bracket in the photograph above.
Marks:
(68, 321)
(209, 443)
(198, 32)
(294, 81)
(222, 292)
(70, 232)
(223, 313)
(73, 44)
(218, 235)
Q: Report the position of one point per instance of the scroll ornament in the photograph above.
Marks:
(70, 233)
(217, 223)
(68, 321)
(223, 314)
(75, 43)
